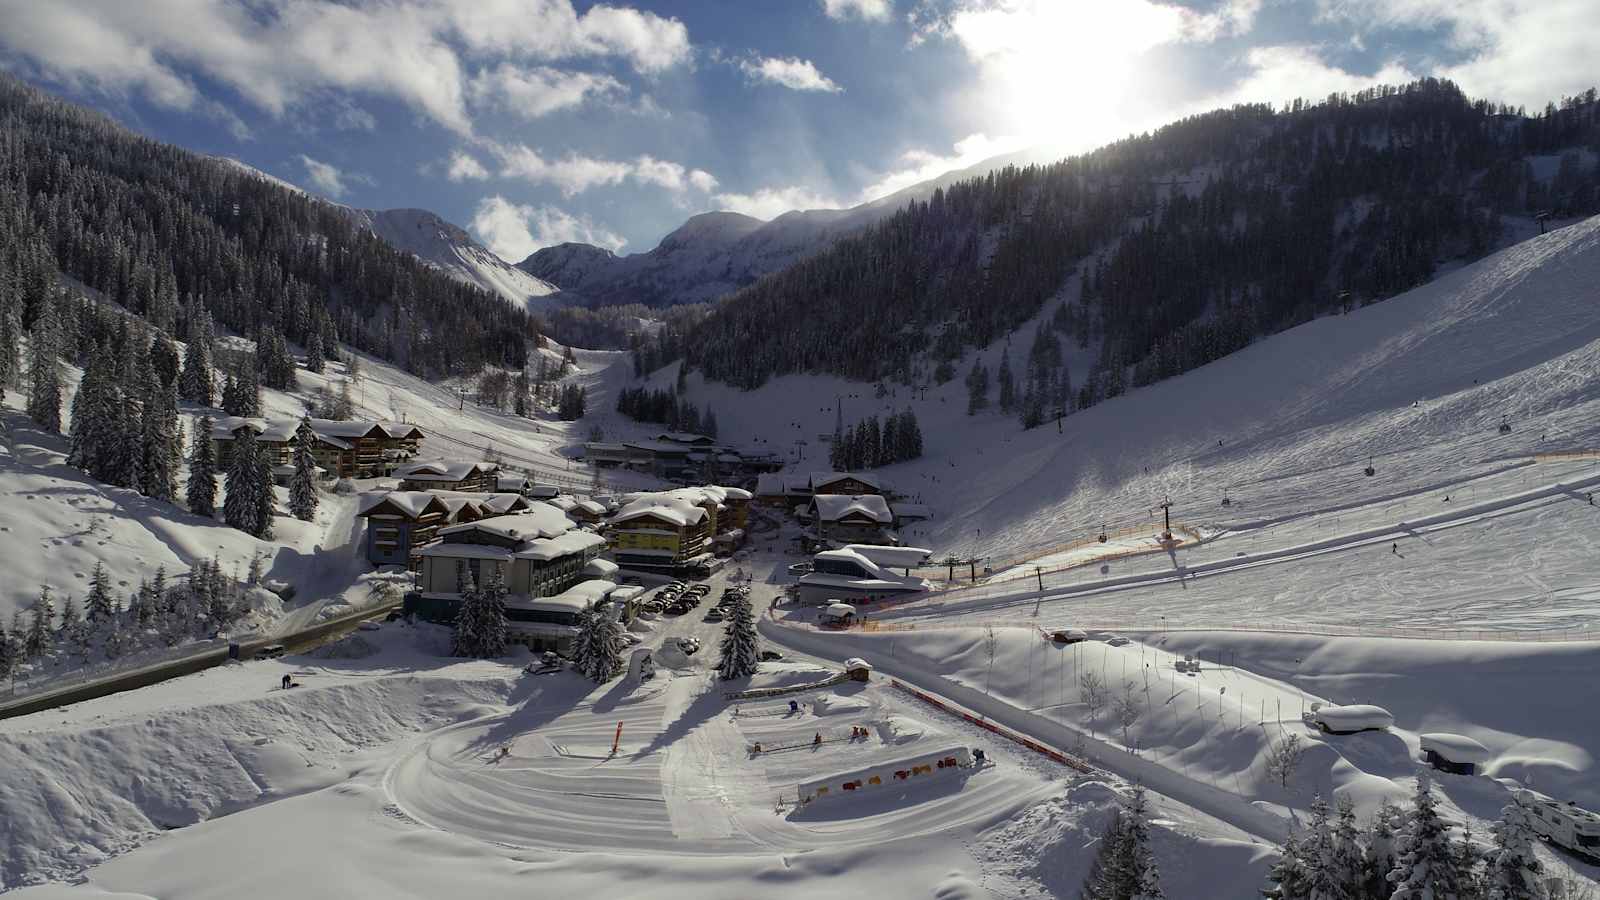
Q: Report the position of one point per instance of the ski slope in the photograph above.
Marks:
(1417, 385)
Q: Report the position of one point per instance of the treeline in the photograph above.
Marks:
(651, 332)
(1046, 391)
(663, 407)
(169, 234)
(1187, 243)
(870, 444)
(162, 612)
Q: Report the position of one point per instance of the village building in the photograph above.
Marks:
(551, 623)
(859, 573)
(846, 519)
(472, 477)
(852, 483)
(344, 449)
(538, 553)
(401, 522)
(659, 531)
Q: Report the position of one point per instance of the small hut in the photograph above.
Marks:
(1455, 753)
(857, 668)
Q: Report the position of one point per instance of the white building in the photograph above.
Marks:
(856, 574)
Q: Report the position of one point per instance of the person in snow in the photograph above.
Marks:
(1395, 548)
(287, 682)
(817, 741)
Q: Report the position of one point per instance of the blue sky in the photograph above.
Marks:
(537, 121)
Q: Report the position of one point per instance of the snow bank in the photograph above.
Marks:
(77, 795)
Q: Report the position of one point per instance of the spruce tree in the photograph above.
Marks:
(44, 369)
(10, 331)
(266, 496)
(40, 624)
(1320, 854)
(480, 619)
(160, 441)
(201, 494)
(977, 388)
(314, 357)
(739, 656)
(241, 507)
(1136, 862)
(1102, 882)
(1008, 384)
(303, 485)
(1382, 849)
(98, 605)
(8, 649)
(194, 383)
(1512, 871)
(1426, 867)
(598, 650)
(85, 407)
(1288, 878)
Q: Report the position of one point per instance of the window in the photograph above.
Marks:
(1589, 840)
(839, 567)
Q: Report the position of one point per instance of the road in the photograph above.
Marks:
(215, 654)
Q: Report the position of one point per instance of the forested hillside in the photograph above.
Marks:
(168, 233)
(1187, 243)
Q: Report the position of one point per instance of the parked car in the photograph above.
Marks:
(700, 590)
(369, 625)
(770, 656)
(1068, 636)
(270, 651)
(690, 646)
(800, 568)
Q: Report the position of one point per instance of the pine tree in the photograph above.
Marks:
(1348, 853)
(1102, 882)
(739, 656)
(1426, 868)
(1008, 384)
(44, 369)
(1288, 878)
(40, 625)
(580, 643)
(85, 403)
(1512, 871)
(201, 493)
(977, 388)
(241, 507)
(1320, 854)
(162, 444)
(303, 485)
(8, 647)
(315, 361)
(1124, 868)
(194, 383)
(1382, 848)
(10, 331)
(913, 434)
(98, 606)
(480, 619)
(266, 497)
(600, 637)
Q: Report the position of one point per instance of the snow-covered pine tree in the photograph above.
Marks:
(194, 382)
(40, 624)
(250, 392)
(1320, 856)
(977, 388)
(598, 650)
(314, 357)
(98, 605)
(201, 493)
(1288, 879)
(466, 640)
(492, 616)
(1008, 384)
(1383, 838)
(10, 331)
(1426, 868)
(70, 614)
(231, 403)
(266, 497)
(44, 369)
(580, 643)
(1511, 870)
(241, 506)
(1347, 850)
(739, 656)
(1103, 881)
(1136, 862)
(303, 485)
(161, 441)
(8, 648)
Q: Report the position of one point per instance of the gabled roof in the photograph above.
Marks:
(569, 544)
(350, 429)
(678, 513)
(399, 430)
(411, 504)
(444, 471)
(834, 507)
(823, 479)
(685, 437)
(278, 430)
(540, 520)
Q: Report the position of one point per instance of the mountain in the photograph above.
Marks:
(448, 248)
(716, 253)
(1165, 251)
(443, 245)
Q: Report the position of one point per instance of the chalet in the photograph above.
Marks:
(852, 483)
(399, 522)
(344, 449)
(471, 477)
(511, 484)
(660, 531)
(687, 439)
(587, 512)
(538, 553)
(846, 519)
(551, 623)
(860, 573)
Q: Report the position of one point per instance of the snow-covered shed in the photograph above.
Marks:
(1454, 752)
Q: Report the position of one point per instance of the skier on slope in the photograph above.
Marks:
(1395, 548)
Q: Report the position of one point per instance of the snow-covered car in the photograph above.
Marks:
(1068, 636)
(369, 625)
(771, 656)
(700, 590)
(1348, 719)
(270, 651)
(690, 646)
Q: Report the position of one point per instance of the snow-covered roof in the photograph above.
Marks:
(222, 428)
(592, 507)
(855, 663)
(771, 484)
(511, 482)
(839, 609)
(573, 542)
(402, 430)
(443, 471)
(833, 507)
(900, 557)
(1457, 748)
(574, 598)
(347, 429)
(411, 503)
(685, 437)
(823, 479)
(1355, 717)
(564, 502)
(539, 520)
(733, 493)
(669, 506)
(601, 568)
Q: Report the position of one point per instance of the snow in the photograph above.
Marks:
(1355, 717)
(450, 249)
(834, 507)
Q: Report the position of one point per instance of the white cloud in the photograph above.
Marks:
(574, 174)
(1280, 74)
(794, 74)
(514, 231)
(1524, 52)
(287, 52)
(465, 167)
(534, 92)
(917, 166)
(871, 10)
(328, 179)
(769, 203)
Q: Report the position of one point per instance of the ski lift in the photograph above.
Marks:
(1505, 426)
(1225, 500)
(1370, 470)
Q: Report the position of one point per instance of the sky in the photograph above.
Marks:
(533, 122)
